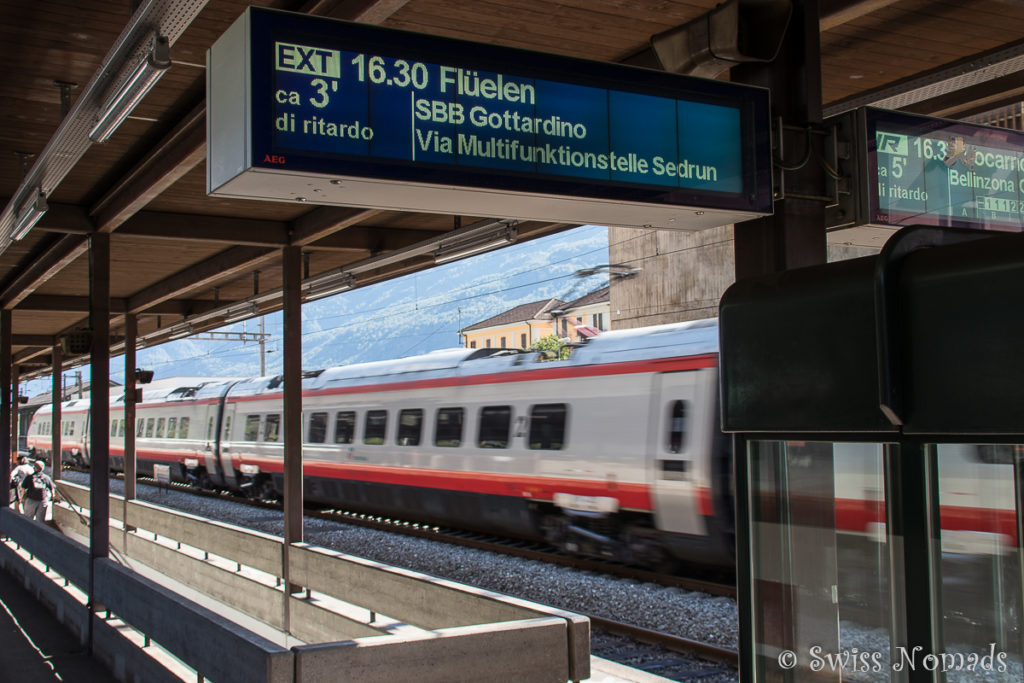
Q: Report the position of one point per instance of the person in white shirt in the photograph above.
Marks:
(18, 474)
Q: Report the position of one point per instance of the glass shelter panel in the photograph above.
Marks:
(981, 576)
(819, 561)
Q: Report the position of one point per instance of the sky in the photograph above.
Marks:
(409, 315)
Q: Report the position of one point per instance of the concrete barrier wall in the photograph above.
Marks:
(79, 495)
(312, 623)
(530, 651)
(124, 658)
(69, 611)
(258, 600)
(68, 558)
(463, 622)
(404, 595)
(69, 520)
(212, 645)
(426, 601)
(251, 548)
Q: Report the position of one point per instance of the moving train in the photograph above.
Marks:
(614, 452)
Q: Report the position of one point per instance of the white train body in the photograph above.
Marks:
(613, 452)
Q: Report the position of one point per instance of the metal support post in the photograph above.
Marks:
(131, 331)
(15, 404)
(912, 518)
(794, 236)
(292, 266)
(99, 410)
(56, 398)
(5, 399)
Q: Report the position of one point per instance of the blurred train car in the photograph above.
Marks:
(614, 452)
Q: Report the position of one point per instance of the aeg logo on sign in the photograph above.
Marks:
(315, 61)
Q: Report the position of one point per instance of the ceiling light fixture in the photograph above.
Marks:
(30, 213)
(239, 314)
(330, 283)
(139, 82)
(454, 249)
(180, 331)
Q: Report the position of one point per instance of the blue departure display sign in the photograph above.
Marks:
(356, 101)
(937, 172)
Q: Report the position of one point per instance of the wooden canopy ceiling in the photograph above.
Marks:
(177, 253)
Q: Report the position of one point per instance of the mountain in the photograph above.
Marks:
(406, 316)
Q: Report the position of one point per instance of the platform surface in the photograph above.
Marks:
(35, 646)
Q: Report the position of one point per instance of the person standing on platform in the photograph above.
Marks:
(37, 492)
(17, 476)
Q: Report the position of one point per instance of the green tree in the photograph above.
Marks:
(550, 348)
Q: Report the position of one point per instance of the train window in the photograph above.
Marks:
(120, 428)
(172, 427)
(150, 424)
(494, 426)
(677, 427)
(209, 429)
(996, 454)
(183, 428)
(252, 427)
(160, 424)
(448, 427)
(227, 428)
(113, 427)
(345, 427)
(140, 426)
(410, 427)
(376, 427)
(317, 430)
(273, 429)
(547, 427)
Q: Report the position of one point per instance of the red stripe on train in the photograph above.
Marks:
(857, 515)
(709, 360)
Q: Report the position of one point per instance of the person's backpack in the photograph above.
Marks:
(32, 490)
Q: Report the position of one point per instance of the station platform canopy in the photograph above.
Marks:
(183, 261)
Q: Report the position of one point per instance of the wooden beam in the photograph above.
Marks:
(325, 221)
(238, 231)
(179, 152)
(373, 239)
(66, 218)
(366, 11)
(32, 340)
(838, 12)
(224, 266)
(41, 268)
(80, 304)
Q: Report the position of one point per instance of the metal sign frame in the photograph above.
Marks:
(248, 131)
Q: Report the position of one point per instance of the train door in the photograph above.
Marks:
(223, 445)
(86, 423)
(207, 450)
(682, 429)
